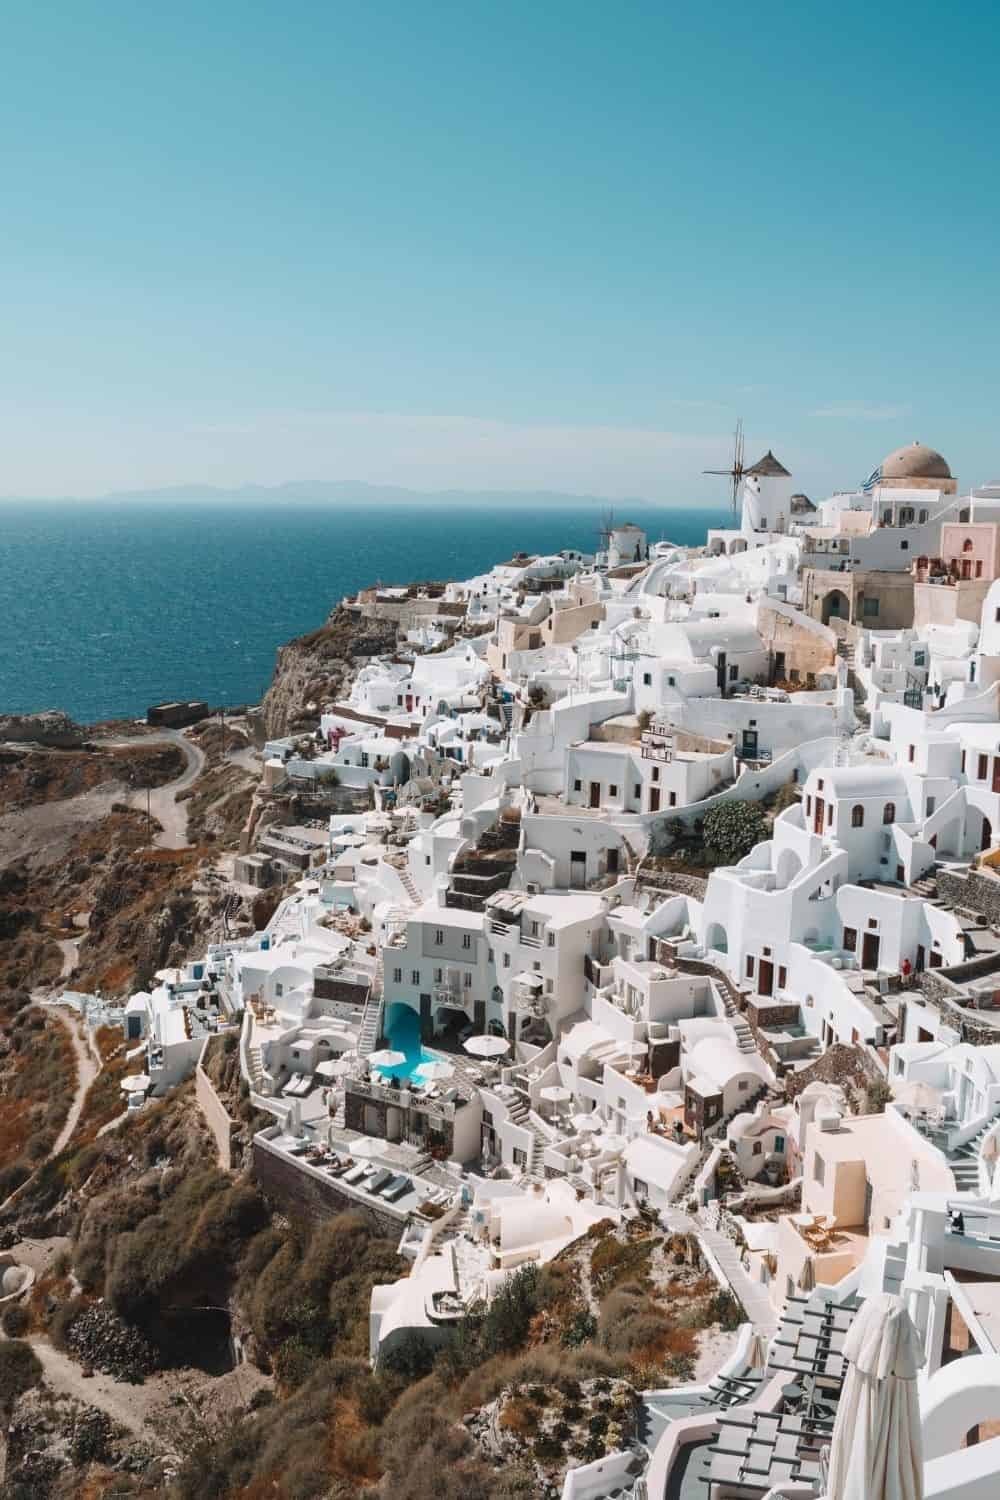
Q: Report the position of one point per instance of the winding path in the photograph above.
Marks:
(87, 1070)
(162, 800)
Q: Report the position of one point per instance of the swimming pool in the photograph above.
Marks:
(403, 1034)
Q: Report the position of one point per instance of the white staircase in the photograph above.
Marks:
(371, 1022)
(256, 1062)
(964, 1163)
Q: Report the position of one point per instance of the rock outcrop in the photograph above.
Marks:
(315, 668)
(51, 728)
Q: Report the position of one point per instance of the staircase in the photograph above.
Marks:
(408, 886)
(926, 887)
(964, 1163)
(752, 1294)
(371, 1020)
(519, 1114)
(256, 1062)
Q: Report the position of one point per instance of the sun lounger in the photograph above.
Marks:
(355, 1175)
(395, 1189)
(381, 1179)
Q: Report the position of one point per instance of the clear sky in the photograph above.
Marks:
(553, 244)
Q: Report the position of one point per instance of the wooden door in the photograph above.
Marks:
(654, 799)
(818, 811)
(869, 950)
(595, 794)
(765, 977)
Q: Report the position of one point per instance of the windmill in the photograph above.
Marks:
(734, 474)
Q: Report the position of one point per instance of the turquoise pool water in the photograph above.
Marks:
(403, 1033)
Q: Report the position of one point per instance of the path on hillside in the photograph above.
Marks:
(162, 800)
(87, 1070)
(128, 1405)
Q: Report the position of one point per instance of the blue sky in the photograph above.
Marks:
(506, 245)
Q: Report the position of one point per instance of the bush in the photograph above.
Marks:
(877, 1096)
(19, 1371)
(732, 829)
(15, 1320)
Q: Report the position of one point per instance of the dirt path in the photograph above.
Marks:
(86, 1071)
(128, 1405)
(162, 800)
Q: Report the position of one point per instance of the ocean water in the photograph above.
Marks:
(109, 606)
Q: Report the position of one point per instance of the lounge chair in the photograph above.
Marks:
(355, 1174)
(379, 1180)
(395, 1189)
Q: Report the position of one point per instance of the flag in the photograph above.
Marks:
(873, 479)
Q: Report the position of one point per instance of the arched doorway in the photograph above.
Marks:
(836, 606)
(715, 938)
(986, 835)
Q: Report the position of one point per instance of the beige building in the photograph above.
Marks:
(870, 598)
(857, 1171)
(798, 647)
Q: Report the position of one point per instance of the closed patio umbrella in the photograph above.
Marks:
(807, 1276)
(876, 1452)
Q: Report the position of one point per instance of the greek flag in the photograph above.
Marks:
(873, 479)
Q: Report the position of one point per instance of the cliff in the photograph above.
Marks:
(316, 668)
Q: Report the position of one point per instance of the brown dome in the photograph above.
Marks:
(915, 461)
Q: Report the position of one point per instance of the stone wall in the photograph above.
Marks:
(977, 890)
(304, 1196)
(217, 1117)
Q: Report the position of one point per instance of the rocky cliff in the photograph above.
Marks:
(315, 668)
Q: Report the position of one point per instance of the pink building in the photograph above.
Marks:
(953, 585)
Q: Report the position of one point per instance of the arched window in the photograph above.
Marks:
(889, 813)
(967, 544)
(857, 816)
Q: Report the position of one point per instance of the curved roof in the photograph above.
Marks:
(864, 781)
(915, 461)
(721, 1060)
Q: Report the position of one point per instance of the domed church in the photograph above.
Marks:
(917, 467)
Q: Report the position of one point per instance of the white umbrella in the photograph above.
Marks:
(588, 1124)
(135, 1083)
(917, 1095)
(875, 1452)
(334, 1067)
(613, 1145)
(554, 1093)
(434, 1071)
(367, 1147)
(807, 1276)
(487, 1046)
(387, 1058)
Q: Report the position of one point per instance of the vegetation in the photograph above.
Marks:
(37, 1079)
(19, 1371)
(732, 828)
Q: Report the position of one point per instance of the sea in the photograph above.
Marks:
(109, 606)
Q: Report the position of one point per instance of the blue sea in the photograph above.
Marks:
(109, 606)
